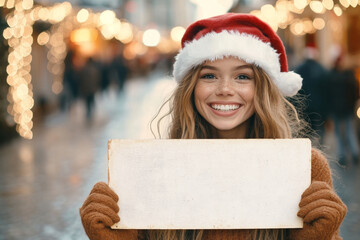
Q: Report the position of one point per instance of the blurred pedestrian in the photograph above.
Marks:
(232, 80)
(315, 83)
(344, 90)
(89, 77)
(105, 71)
(71, 85)
(121, 71)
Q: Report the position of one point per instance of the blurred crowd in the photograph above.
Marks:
(331, 97)
(85, 76)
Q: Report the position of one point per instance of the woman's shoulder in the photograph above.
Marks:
(320, 170)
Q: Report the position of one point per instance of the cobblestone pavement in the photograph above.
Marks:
(44, 181)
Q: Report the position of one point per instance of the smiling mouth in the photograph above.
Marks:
(225, 108)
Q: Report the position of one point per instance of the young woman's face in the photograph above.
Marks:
(224, 96)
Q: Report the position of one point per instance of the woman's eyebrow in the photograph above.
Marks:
(242, 67)
(208, 67)
(235, 68)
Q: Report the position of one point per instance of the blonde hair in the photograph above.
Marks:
(274, 117)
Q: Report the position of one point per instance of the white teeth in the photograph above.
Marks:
(225, 107)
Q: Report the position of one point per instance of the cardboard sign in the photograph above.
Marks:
(209, 184)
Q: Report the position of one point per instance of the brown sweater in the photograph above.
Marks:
(320, 207)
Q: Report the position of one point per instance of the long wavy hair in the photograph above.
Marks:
(274, 117)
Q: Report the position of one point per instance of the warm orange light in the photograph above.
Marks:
(87, 48)
(83, 35)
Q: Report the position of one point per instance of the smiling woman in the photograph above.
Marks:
(233, 81)
(224, 96)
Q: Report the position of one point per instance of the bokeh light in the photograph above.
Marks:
(345, 3)
(354, 3)
(177, 33)
(125, 35)
(82, 16)
(300, 4)
(319, 23)
(151, 37)
(107, 17)
(10, 4)
(337, 10)
(20, 96)
(209, 8)
(27, 4)
(82, 35)
(43, 38)
(328, 4)
(317, 7)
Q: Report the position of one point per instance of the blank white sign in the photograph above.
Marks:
(209, 184)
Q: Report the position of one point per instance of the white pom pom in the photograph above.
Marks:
(289, 83)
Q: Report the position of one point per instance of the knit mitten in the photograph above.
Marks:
(322, 212)
(99, 213)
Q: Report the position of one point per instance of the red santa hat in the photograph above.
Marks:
(239, 35)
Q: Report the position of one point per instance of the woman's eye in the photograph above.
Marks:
(208, 76)
(243, 77)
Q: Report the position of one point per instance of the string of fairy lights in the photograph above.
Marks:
(19, 36)
(285, 13)
(77, 24)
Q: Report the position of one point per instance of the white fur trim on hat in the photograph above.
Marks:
(244, 46)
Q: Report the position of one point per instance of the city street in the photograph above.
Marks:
(44, 181)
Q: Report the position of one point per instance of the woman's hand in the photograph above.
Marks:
(99, 213)
(322, 211)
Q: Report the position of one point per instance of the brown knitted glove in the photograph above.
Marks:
(322, 211)
(99, 212)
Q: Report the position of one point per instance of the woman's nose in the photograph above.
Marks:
(225, 87)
